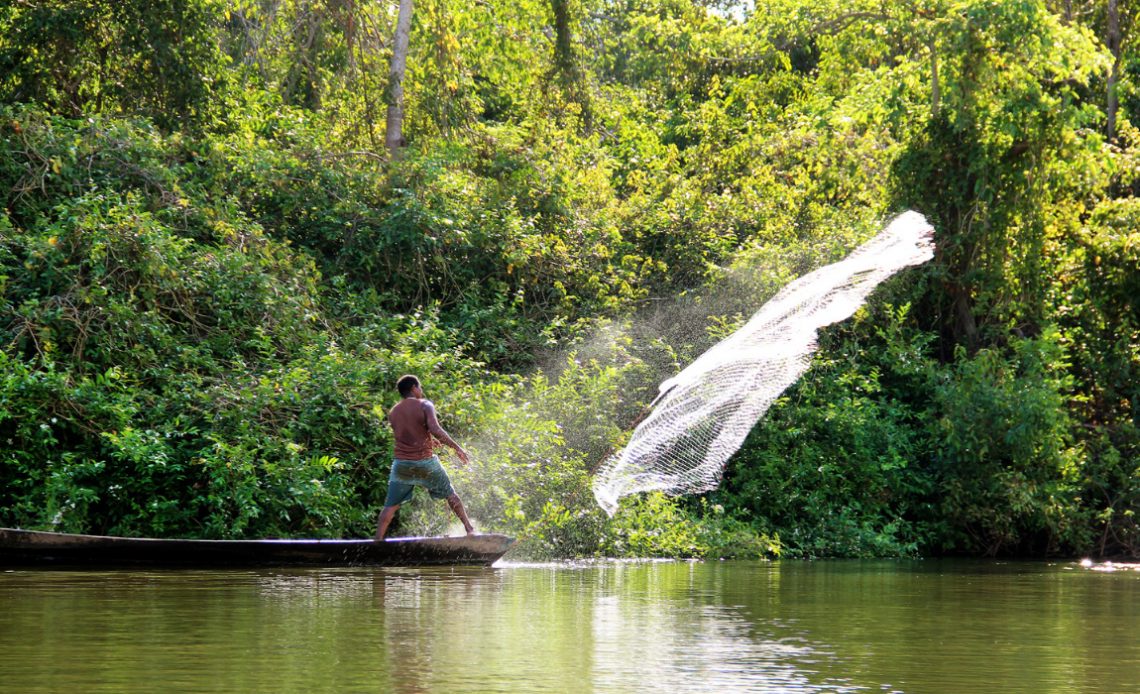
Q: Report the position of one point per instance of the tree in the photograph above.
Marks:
(1011, 139)
(1113, 23)
(1114, 74)
(162, 60)
(394, 136)
(568, 72)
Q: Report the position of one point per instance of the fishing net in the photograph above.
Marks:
(702, 415)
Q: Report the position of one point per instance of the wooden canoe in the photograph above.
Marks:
(36, 548)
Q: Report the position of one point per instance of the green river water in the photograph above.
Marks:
(839, 626)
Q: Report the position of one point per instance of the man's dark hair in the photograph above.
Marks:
(405, 385)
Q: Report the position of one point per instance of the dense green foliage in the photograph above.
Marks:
(211, 272)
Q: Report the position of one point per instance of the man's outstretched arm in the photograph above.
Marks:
(438, 431)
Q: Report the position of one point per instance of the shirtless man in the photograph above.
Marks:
(414, 424)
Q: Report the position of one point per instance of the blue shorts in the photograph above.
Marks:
(408, 474)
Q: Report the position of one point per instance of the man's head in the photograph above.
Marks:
(406, 384)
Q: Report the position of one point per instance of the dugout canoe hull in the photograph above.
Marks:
(36, 548)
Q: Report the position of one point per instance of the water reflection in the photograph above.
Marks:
(651, 644)
(608, 627)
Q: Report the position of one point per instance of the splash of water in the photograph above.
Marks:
(702, 415)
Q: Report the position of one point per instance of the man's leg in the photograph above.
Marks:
(386, 517)
(456, 505)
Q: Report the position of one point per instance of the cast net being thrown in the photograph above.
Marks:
(702, 415)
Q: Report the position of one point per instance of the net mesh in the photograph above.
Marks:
(702, 415)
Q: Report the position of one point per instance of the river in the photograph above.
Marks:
(927, 626)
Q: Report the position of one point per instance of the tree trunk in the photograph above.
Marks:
(1114, 76)
(563, 46)
(569, 75)
(935, 86)
(394, 136)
